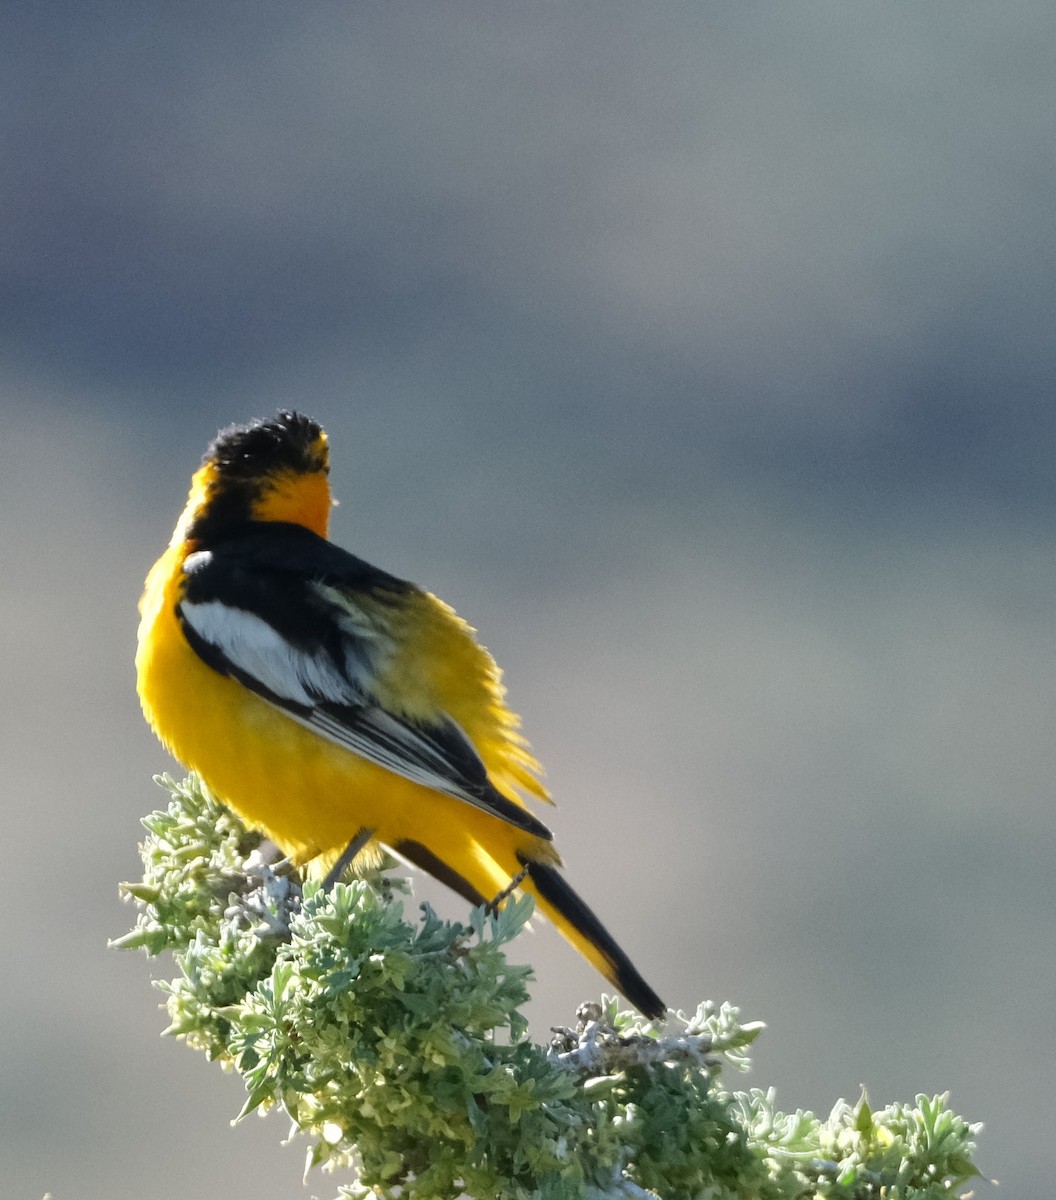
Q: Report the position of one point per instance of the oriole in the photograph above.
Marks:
(335, 707)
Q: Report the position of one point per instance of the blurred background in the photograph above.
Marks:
(702, 357)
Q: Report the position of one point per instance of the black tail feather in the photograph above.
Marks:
(554, 890)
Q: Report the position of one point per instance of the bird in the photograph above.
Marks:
(340, 710)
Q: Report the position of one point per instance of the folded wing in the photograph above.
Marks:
(289, 615)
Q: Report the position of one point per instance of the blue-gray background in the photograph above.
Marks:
(702, 356)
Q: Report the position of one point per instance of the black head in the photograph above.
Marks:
(289, 441)
(267, 470)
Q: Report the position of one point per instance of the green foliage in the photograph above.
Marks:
(399, 1049)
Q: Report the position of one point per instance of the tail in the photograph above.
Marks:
(582, 928)
(484, 876)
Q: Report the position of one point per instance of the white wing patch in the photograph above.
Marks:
(249, 643)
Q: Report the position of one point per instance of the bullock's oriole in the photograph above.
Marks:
(335, 707)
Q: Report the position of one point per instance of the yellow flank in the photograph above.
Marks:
(439, 666)
(413, 661)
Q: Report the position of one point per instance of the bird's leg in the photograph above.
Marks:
(347, 855)
(493, 905)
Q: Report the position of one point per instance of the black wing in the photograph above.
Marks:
(301, 623)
